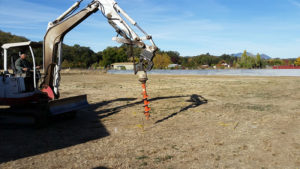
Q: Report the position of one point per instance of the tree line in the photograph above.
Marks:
(165, 58)
(77, 56)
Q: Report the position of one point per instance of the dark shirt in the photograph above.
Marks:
(22, 63)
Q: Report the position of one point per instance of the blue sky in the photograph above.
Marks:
(190, 27)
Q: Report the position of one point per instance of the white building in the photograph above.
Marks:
(225, 65)
(123, 66)
(173, 66)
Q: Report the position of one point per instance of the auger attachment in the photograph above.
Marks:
(143, 79)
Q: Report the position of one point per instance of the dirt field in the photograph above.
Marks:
(197, 122)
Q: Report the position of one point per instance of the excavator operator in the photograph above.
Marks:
(22, 65)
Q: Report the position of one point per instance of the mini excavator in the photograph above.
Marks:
(45, 97)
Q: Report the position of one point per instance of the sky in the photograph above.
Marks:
(191, 27)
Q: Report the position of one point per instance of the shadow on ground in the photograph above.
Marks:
(20, 140)
(195, 100)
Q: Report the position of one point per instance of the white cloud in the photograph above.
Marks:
(294, 2)
(26, 10)
(23, 15)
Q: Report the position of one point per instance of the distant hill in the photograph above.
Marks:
(75, 56)
(6, 37)
(263, 56)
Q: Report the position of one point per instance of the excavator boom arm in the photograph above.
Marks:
(52, 45)
(65, 23)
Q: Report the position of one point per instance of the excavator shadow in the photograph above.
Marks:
(196, 101)
(21, 141)
(110, 111)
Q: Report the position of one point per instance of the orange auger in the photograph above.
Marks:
(143, 79)
(146, 102)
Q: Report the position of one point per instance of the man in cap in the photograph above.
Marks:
(22, 65)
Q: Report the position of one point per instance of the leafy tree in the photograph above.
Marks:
(121, 55)
(113, 54)
(246, 61)
(95, 65)
(108, 56)
(250, 62)
(79, 56)
(275, 62)
(162, 61)
(175, 56)
(297, 62)
(66, 64)
(229, 59)
(7, 37)
(258, 61)
(244, 56)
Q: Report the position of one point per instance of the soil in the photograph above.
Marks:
(196, 122)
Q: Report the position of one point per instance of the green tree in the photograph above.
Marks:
(248, 62)
(121, 55)
(65, 64)
(108, 56)
(275, 62)
(244, 61)
(244, 56)
(229, 59)
(175, 56)
(258, 61)
(113, 54)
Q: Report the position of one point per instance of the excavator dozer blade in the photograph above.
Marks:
(69, 104)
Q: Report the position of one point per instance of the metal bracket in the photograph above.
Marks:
(145, 63)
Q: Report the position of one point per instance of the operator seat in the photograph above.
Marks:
(13, 66)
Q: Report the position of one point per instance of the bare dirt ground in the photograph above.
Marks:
(197, 122)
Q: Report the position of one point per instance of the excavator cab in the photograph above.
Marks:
(30, 82)
(22, 93)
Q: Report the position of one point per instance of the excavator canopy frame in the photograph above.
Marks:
(28, 44)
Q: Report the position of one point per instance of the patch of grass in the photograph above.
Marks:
(142, 157)
(144, 164)
(168, 157)
(255, 107)
(232, 105)
(259, 107)
(218, 158)
(157, 159)
(162, 159)
(175, 147)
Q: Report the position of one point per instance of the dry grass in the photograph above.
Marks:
(248, 122)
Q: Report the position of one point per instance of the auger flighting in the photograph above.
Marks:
(143, 79)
